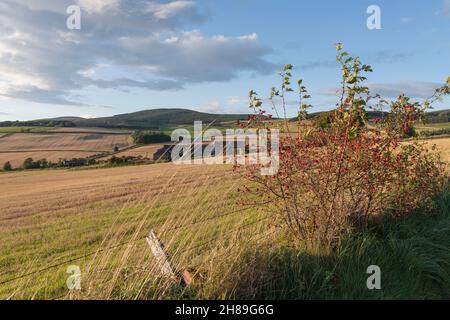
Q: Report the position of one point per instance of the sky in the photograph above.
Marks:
(205, 55)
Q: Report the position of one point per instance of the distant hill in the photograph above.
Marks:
(155, 119)
(438, 116)
(161, 119)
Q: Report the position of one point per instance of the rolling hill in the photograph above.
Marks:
(155, 119)
(161, 119)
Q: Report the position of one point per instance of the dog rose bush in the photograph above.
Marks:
(336, 177)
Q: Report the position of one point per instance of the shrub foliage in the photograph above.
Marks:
(333, 181)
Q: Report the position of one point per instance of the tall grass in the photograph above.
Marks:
(260, 262)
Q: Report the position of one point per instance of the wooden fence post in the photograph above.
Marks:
(163, 260)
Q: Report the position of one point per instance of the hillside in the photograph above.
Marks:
(439, 116)
(156, 119)
(161, 119)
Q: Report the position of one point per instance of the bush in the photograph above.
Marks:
(7, 166)
(333, 181)
(123, 160)
(148, 137)
(29, 163)
(410, 133)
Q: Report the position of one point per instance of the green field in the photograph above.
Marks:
(23, 129)
(432, 126)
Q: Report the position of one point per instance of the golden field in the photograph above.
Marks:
(442, 146)
(17, 147)
(143, 151)
(48, 216)
(101, 216)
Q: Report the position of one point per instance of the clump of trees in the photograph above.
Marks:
(149, 137)
(123, 160)
(29, 163)
(38, 123)
(7, 166)
(335, 181)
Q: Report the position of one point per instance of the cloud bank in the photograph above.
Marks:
(154, 44)
(414, 89)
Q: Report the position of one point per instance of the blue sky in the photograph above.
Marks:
(206, 55)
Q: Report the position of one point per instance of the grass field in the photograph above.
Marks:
(23, 129)
(432, 126)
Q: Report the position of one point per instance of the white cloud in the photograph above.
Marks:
(238, 100)
(42, 61)
(99, 6)
(211, 106)
(414, 89)
(407, 19)
(88, 116)
(168, 10)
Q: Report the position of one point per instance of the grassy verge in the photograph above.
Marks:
(413, 254)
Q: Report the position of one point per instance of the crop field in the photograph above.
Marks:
(143, 151)
(90, 130)
(17, 158)
(50, 216)
(23, 129)
(433, 126)
(442, 145)
(19, 146)
(97, 219)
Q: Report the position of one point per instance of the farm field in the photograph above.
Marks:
(65, 145)
(146, 151)
(17, 158)
(23, 129)
(90, 129)
(442, 146)
(49, 216)
(432, 126)
(97, 220)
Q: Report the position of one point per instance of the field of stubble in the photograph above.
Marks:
(55, 215)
